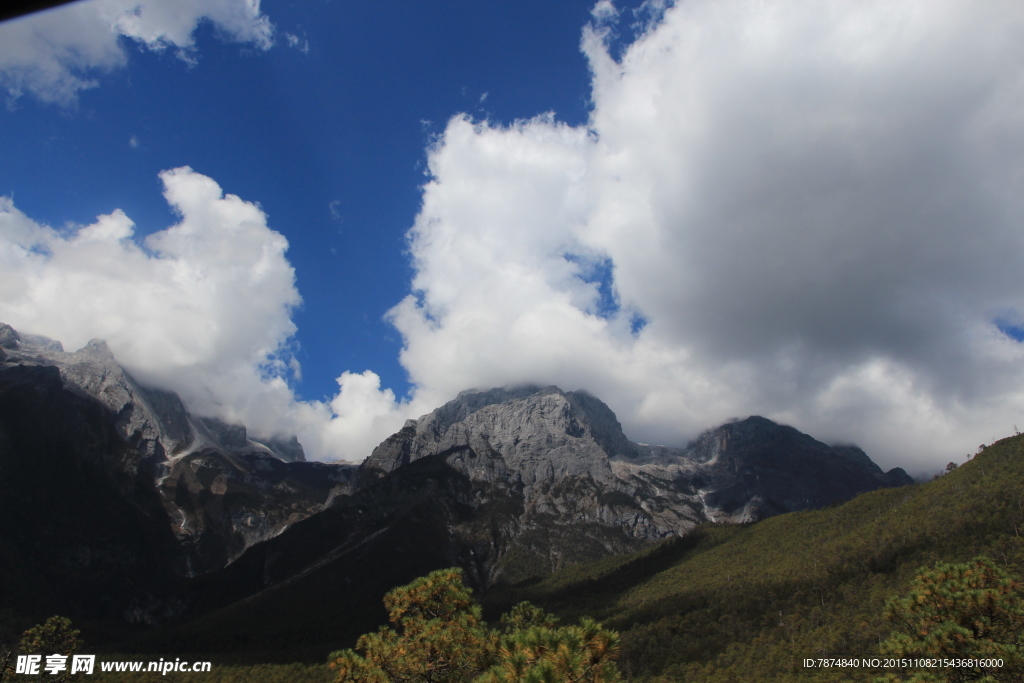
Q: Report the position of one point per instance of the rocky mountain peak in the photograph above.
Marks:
(539, 434)
(153, 442)
(155, 420)
(760, 468)
(562, 459)
(9, 337)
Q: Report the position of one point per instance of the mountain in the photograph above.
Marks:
(571, 487)
(508, 484)
(113, 490)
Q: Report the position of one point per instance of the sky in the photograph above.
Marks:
(323, 218)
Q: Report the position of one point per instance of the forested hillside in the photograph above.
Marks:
(748, 603)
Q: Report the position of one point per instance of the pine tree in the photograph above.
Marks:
(960, 611)
(55, 636)
(437, 635)
(538, 651)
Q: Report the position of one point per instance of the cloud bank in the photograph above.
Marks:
(814, 207)
(56, 54)
(809, 211)
(202, 308)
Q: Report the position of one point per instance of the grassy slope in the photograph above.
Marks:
(747, 603)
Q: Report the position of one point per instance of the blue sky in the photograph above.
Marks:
(325, 217)
(329, 136)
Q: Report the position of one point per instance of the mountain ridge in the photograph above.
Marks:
(191, 464)
(508, 483)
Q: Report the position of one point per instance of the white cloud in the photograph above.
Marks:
(816, 208)
(603, 11)
(56, 54)
(202, 308)
(300, 44)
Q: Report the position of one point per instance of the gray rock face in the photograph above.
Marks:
(580, 489)
(93, 373)
(234, 438)
(542, 463)
(222, 492)
(541, 438)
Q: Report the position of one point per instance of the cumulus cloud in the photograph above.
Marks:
(202, 308)
(56, 54)
(814, 207)
(807, 211)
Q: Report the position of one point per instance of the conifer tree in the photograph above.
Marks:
(55, 636)
(971, 611)
(437, 635)
(541, 652)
